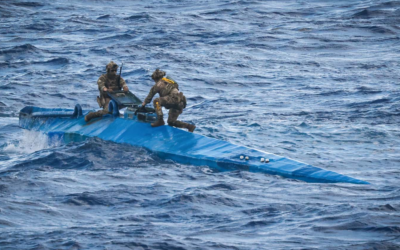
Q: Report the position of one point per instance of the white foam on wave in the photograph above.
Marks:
(29, 142)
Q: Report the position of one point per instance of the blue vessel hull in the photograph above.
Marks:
(172, 143)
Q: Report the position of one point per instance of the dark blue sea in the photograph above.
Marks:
(312, 80)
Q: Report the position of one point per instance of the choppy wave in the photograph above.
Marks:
(316, 81)
(26, 48)
(29, 142)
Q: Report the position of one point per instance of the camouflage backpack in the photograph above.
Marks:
(171, 84)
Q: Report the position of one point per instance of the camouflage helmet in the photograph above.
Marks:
(111, 65)
(158, 74)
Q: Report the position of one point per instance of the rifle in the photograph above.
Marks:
(119, 77)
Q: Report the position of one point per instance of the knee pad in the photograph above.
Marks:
(157, 104)
(155, 101)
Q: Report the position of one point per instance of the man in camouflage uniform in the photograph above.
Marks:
(107, 82)
(170, 98)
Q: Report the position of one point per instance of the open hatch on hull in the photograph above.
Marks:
(125, 99)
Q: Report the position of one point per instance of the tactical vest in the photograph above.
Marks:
(171, 84)
(113, 84)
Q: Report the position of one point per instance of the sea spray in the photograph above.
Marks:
(31, 141)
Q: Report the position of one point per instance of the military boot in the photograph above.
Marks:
(90, 116)
(159, 122)
(191, 127)
(180, 124)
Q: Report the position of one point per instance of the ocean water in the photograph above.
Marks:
(312, 80)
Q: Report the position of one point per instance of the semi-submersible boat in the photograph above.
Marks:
(133, 127)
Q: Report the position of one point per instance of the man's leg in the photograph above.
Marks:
(99, 113)
(160, 117)
(173, 120)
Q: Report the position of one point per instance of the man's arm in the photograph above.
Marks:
(102, 84)
(123, 85)
(150, 96)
